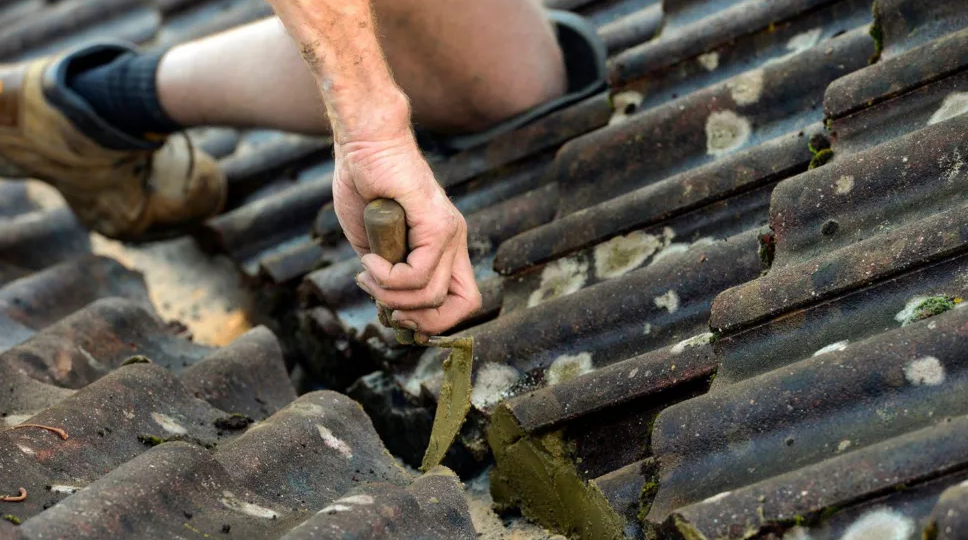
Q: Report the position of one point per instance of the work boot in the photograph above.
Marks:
(121, 186)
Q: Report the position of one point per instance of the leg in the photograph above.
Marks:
(460, 75)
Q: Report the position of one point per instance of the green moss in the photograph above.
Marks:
(822, 158)
(649, 489)
(12, 519)
(930, 307)
(137, 359)
(767, 251)
(877, 33)
(154, 440)
(930, 532)
(536, 474)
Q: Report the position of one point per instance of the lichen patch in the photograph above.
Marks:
(304, 408)
(709, 61)
(334, 442)
(232, 502)
(844, 184)
(560, 278)
(16, 419)
(493, 382)
(68, 490)
(747, 88)
(882, 524)
(626, 104)
(833, 347)
(360, 500)
(169, 424)
(622, 254)
(717, 498)
(955, 104)
(568, 367)
(695, 341)
(668, 301)
(726, 132)
(927, 371)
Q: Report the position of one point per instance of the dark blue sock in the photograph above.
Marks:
(123, 92)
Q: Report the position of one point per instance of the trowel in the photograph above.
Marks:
(386, 231)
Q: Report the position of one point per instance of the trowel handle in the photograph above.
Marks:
(386, 231)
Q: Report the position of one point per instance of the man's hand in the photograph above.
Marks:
(377, 157)
(435, 289)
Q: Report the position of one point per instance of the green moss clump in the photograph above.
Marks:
(822, 158)
(154, 440)
(876, 33)
(930, 532)
(649, 489)
(12, 519)
(935, 305)
(767, 251)
(137, 359)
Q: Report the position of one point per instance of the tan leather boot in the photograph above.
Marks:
(120, 186)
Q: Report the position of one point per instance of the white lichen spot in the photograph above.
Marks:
(746, 88)
(726, 132)
(906, 315)
(926, 371)
(304, 408)
(845, 184)
(232, 502)
(568, 367)
(673, 249)
(16, 419)
(26, 450)
(668, 301)
(833, 347)
(493, 382)
(333, 442)
(560, 278)
(798, 44)
(880, 524)
(69, 490)
(954, 105)
(633, 373)
(695, 341)
(797, 533)
(647, 329)
(622, 254)
(626, 104)
(709, 61)
(717, 498)
(335, 509)
(843, 446)
(804, 40)
(361, 500)
(169, 424)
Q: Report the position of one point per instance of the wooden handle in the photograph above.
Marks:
(386, 229)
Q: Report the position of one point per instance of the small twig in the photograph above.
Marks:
(15, 498)
(58, 431)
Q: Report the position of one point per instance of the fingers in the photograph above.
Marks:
(462, 301)
(431, 296)
(435, 228)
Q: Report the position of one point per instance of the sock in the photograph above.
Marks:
(123, 92)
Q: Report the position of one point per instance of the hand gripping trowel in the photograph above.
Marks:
(386, 231)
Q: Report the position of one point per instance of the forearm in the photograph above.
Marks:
(337, 39)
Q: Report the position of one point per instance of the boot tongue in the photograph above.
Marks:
(80, 113)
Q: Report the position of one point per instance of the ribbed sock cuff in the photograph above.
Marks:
(124, 93)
